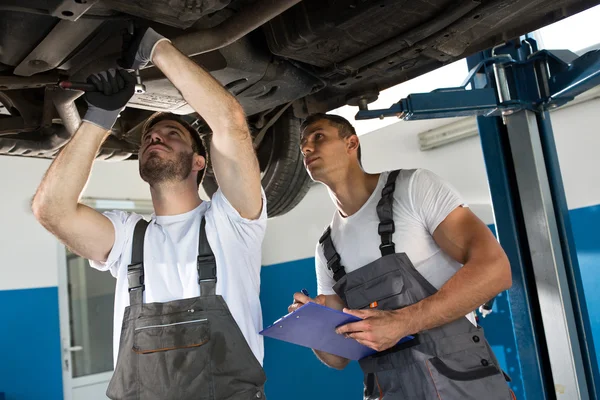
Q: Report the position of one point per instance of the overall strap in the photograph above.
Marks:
(386, 215)
(207, 265)
(135, 270)
(331, 255)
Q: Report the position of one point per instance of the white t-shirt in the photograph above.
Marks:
(422, 200)
(170, 254)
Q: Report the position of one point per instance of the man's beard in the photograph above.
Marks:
(156, 170)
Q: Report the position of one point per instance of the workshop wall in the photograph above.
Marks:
(30, 354)
(30, 350)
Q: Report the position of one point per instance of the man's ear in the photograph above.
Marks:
(352, 142)
(199, 163)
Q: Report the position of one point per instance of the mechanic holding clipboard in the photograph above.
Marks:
(404, 253)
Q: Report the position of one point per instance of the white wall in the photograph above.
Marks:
(28, 253)
(294, 235)
(577, 134)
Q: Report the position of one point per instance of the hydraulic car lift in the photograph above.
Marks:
(510, 89)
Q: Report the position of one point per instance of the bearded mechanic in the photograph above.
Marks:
(187, 311)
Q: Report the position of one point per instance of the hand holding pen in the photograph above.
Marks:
(302, 297)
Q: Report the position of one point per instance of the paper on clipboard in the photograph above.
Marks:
(313, 326)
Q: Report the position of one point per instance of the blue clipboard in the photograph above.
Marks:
(313, 326)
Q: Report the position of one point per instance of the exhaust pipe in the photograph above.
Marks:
(244, 22)
(64, 101)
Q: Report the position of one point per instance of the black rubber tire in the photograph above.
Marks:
(284, 179)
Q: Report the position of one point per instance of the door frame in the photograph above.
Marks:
(142, 207)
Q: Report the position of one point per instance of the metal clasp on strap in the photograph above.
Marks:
(135, 276)
(333, 261)
(207, 269)
(387, 227)
(387, 248)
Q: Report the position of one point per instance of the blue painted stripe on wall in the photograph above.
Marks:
(30, 359)
(294, 372)
(586, 232)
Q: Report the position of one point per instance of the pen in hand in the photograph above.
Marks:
(297, 304)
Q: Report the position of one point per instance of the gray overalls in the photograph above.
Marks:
(451, 362)
(183, 349)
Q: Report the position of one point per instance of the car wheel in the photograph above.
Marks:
(284, 179)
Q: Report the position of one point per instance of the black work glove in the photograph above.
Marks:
(114, 89)
(137, 49)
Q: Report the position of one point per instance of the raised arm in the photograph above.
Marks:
(56, 202)
(233, 157)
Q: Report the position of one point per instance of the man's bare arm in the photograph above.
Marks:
(331, 301)
(485, 273)
(56, 202)
(332, 360)
(232, 154)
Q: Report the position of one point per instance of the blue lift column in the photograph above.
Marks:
(548, 279)
(512, 87)
(510, 230)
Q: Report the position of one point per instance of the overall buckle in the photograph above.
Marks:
(135, 276)
(387, 248)
(207, 268)
(333, 261)
(387, 227)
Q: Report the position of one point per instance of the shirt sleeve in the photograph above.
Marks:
(248, 232)
(123, 224)
(433, 199)
(325, 281)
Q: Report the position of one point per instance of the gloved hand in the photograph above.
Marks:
(115, 88)
(138, 48)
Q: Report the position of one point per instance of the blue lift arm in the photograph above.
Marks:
(545, 80)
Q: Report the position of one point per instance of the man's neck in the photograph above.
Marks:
(352, 190)
(174, 198)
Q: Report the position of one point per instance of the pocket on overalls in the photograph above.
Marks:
(173, 360)
(388, 290)
(171, 336)
(468, 374)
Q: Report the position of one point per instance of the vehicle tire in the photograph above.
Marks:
(284, 179)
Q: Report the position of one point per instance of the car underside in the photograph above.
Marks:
(282, 59)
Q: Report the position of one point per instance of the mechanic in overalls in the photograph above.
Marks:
(187, 311)
(405, 254)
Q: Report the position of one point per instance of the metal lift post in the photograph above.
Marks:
(510, 89)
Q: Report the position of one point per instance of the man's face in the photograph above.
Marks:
(324, 151)
(166, 153)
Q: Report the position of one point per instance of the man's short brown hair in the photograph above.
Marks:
(344, 127)
(198, 144)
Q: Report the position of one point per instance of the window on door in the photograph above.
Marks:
(91, 302)
(87, 320)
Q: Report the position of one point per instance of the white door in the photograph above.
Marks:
(86, 328)
(86, 300)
